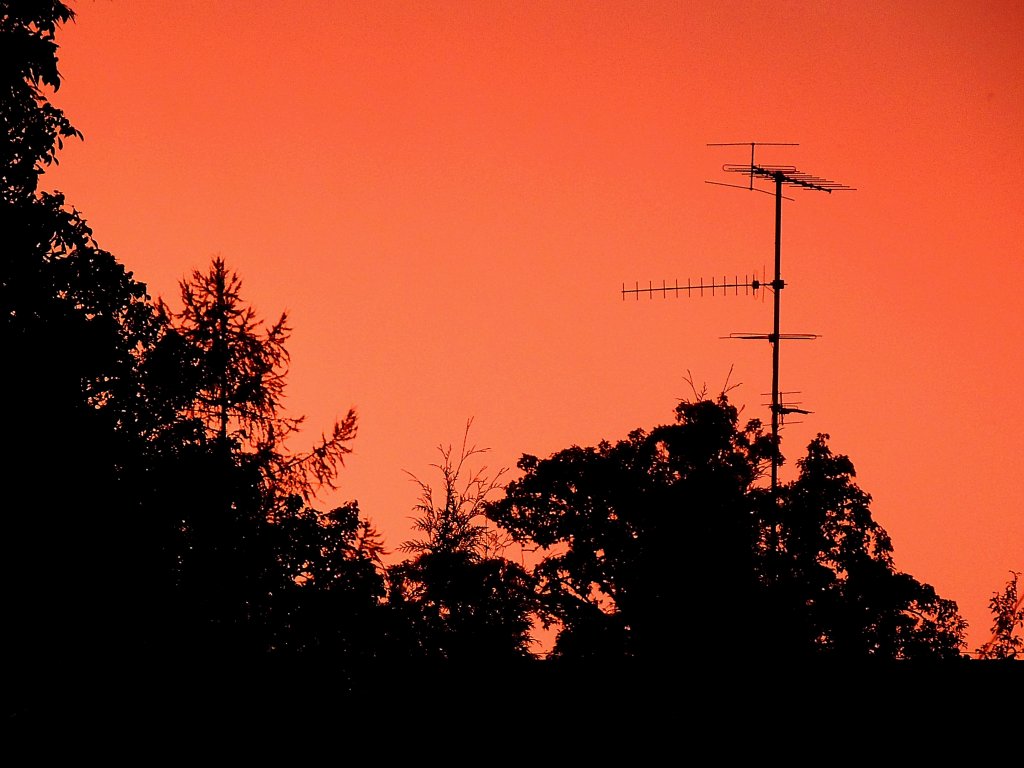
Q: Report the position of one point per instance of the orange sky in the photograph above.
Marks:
(447, 197)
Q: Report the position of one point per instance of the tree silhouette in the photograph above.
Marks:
(328, 604)
(463, 600)
(235, 371)
(34, 129)
(140, 528)
(664, 547)
(649, 538)
(72, 323)
(156, 517)
(255, 569)
(1007, 641)
(833, 578)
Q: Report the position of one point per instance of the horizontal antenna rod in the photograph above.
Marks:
(787, 174)
(749, 286)
(774, 336)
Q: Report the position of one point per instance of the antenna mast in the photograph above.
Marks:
(780, 175)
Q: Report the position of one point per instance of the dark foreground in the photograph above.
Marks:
(576, 710)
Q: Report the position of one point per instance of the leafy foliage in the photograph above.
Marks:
(647, 539)
(833, 570)
(34, 129)
(327, 603)
(1007, 641)
(73, 323)
(663, 546)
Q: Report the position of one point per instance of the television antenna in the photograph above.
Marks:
(780, 176)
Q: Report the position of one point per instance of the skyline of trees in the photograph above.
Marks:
(158, 517)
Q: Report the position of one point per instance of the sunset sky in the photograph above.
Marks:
(447, 198)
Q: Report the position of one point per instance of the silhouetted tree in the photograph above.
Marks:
(463, 600)
(235, 369)
(329, 603)
(72, 324)
(248, 555)
(1007, 641)
(663, 546)
(34, 129)
(153, 509)
(833, 589)
(650, 538)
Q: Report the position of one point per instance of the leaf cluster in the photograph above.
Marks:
(33, 129)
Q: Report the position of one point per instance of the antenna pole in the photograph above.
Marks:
(777, 285)
(780, 174)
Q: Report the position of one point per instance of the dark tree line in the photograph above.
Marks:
(153, 509)
(157, 517)
(664, 547)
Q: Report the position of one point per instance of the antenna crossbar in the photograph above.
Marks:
(786, 174)
(774, 336)
(750, 286)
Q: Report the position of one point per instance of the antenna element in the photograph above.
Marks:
(780, 176)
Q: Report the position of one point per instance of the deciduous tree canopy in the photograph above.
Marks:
(663, 546)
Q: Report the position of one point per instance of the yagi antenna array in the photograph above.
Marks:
(751, 287)
(780, 175)
(789, 175)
